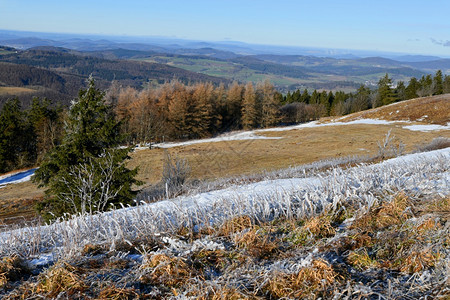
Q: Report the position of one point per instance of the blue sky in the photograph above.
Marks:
(417, 27)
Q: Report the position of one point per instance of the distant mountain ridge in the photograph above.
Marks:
(60, 73)
(141, 62)
(25, 40)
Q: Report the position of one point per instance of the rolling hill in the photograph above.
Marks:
(59, 73)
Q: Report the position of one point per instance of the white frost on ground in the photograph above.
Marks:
(419, 174)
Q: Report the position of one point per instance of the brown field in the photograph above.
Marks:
(435, 110)
(209, 161)
(223, 159)
(15, 90)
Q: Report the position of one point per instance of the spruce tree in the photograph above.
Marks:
(438, 87)
(86, 172)
(385, 93)
(412, 88)
(17, 139)
(446, 84)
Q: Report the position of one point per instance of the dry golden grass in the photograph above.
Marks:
(258, 243)
(387, 214)
(221, 293)
(60, 278)
(320, 227)
(11, 269)
(418, 261)
(296, 147)
(235, 225)
(15, 90)
(166, 270)
(115, 293)
(17, 202)
(435, 110)
(313, 279)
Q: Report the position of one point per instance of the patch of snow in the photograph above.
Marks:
(42, 261)
(16, 177)
(422, 118)
(252, 135)
(239, 136)
(425, 128)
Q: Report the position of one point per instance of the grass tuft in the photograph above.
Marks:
(165, 270)
(314, 280)
(61, 278)
(12, 268)
(113, 292)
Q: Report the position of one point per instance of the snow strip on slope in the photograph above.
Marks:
(16, 177)
(426, 128)
(252, 135)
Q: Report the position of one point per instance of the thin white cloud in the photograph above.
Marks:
(441, 42)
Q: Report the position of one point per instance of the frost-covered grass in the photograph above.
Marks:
(419, 174)
(273, 238)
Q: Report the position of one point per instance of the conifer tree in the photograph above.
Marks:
(269, 104)
(438, 87)
(233, 108)
(17, 140)
(426, 86)
(201, 110)
(446, 84)
(86, 172)
(249, 108)
(412, 88)
(400, 91)
(47, 125)
(305, 98)
(385, 93)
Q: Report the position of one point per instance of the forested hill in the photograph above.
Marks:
(60, 72)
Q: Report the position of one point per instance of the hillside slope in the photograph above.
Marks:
(60, 73)
(432, 110)
(327, 236)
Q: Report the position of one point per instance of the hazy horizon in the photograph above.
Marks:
(407, 27)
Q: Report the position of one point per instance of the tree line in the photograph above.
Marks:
(177, 111)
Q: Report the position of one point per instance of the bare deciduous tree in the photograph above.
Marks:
(90, 186)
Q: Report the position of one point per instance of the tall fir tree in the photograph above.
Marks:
(385, 94)
(412, 88)
(446, 84)
(438, 87)
(17, 138)
(86, 172)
